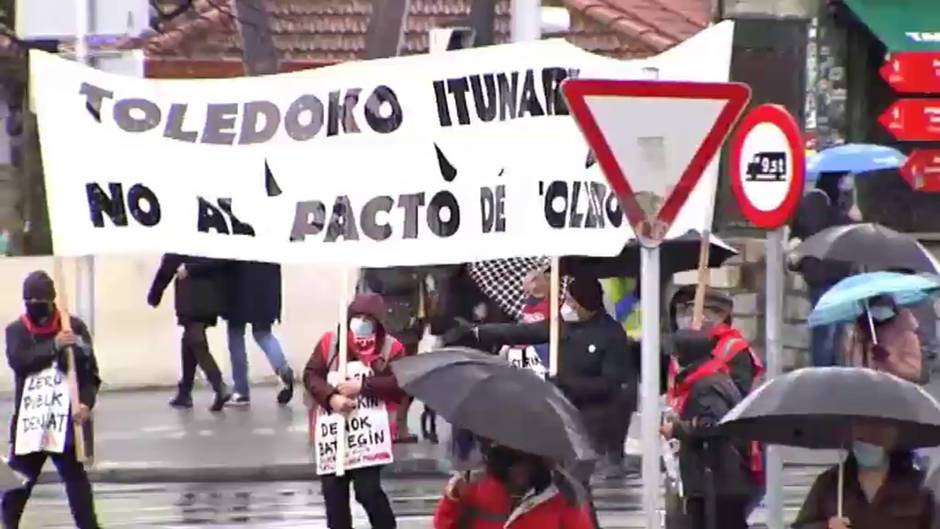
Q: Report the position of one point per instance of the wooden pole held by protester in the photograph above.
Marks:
(698, 308)
(342, 359)
(554, 304)
(62, 303)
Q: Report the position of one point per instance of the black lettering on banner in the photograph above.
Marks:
(458, 87)
(101, 203)
(556, 190)
(368, 221)
(614, 210)
(485, 99)
(443, 200)
(342, 222)
(210, 218)
(174, 124)
(443, 106)
(309, 219)
(140, 196)
(342, 111)
(410, 204)
(551, 87)
(220, 123)
(383, 96)
(270, 116)
(298, 130)
(238, 227)
(94, 96)
(493, 208)
(595, 213)
(448, 171)
(529, 102)
(136, 115)
(508, 92)
(576, 218)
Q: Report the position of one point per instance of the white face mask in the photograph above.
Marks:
(684, 322)
(568, 313)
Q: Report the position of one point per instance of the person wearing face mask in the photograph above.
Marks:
(732, 352)
(369, 343)
(34, 342)
(882, 488)
(517, 491)
(594, 371)
(712, 468)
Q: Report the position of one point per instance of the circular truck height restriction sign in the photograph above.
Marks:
(768, 166)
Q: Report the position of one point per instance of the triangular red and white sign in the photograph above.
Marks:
(654, 139)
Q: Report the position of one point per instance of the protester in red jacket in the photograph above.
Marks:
(370, 344)
(516, 492)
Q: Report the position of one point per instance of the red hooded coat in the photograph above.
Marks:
(485, 504)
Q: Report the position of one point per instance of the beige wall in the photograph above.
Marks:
(138, 346)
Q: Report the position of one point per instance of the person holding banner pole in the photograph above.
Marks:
(36, 346)
(367, 343)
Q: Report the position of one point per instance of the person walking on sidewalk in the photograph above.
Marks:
(35, 342)
(370, 344)
(254, 297)
(199, 302)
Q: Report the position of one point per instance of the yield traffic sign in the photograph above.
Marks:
(768, 166)
(654, 139)
(913, 73)
(913, 119)
(922, 170)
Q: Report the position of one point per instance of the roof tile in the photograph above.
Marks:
(335, 30)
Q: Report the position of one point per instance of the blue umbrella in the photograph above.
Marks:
(855, 158)
(848, 299)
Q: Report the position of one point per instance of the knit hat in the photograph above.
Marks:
(38, 285)
(587, 292)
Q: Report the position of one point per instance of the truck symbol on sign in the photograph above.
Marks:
(767, 166)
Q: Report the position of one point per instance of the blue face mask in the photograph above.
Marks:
(868, 455)
(362, 327)
(882, 313)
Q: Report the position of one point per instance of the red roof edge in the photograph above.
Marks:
(157, 68)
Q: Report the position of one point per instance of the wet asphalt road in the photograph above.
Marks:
(300, 505)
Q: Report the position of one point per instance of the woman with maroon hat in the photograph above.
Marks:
(368, 343)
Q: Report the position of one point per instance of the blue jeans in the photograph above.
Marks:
(236, 346)
(824, 340)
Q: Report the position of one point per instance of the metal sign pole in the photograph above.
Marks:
(649, 383)
(773, 320)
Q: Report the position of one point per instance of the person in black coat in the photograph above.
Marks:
(594, 367)
(254, 297)
(35, 342)
(199, 287)
(714, 471)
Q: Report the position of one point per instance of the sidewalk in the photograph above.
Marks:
(140, 439)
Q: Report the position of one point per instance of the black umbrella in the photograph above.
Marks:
(484, 394)
(818, 407)
(871, 246)
(676, 255)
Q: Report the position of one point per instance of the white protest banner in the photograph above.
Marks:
(43, 416)
(368, 433)
(425, 159)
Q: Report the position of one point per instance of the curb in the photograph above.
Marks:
(409, 468)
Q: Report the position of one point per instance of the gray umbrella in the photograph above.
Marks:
(871, 246)
(817, 407)
(484, 394)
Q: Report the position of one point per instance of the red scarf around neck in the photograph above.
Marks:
(53, 326)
